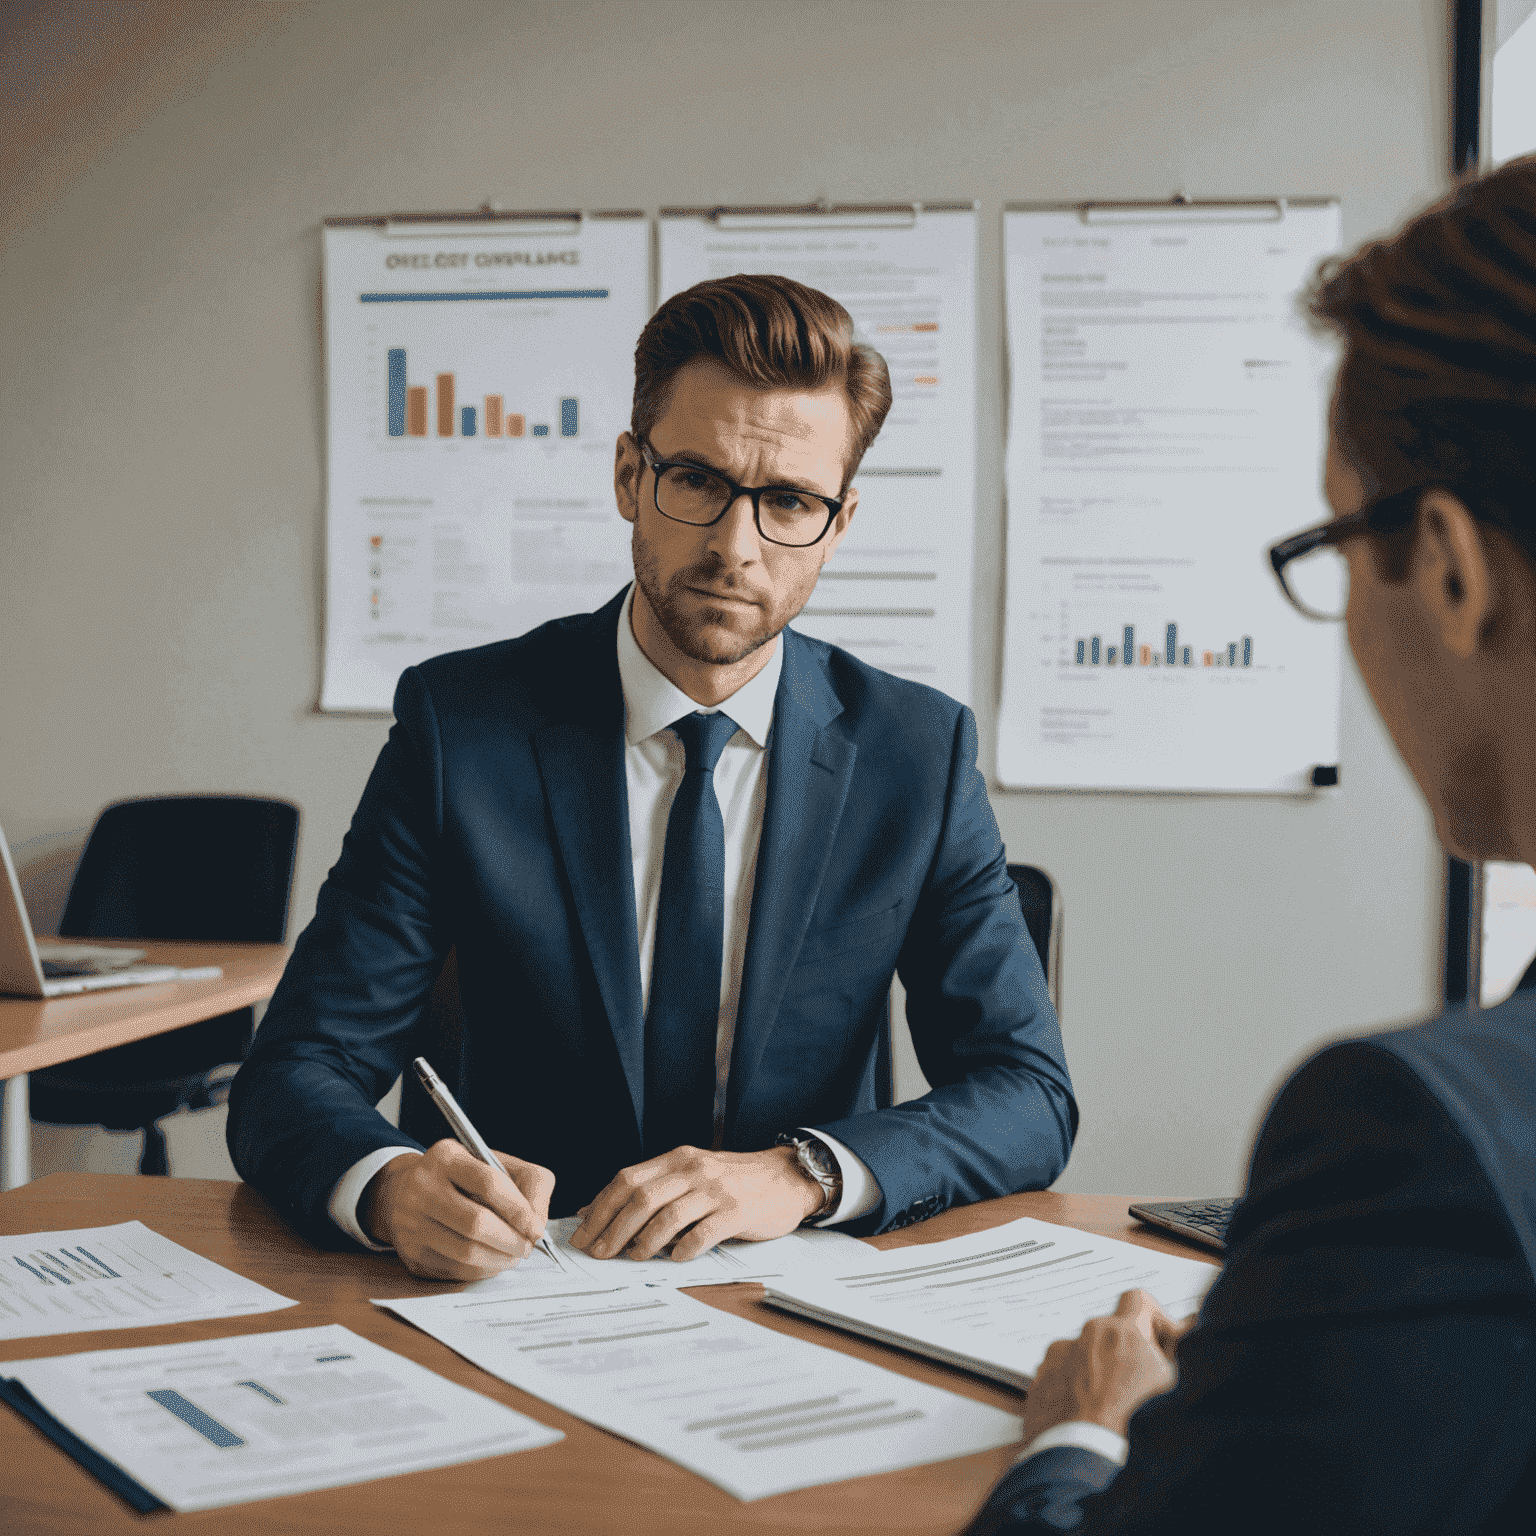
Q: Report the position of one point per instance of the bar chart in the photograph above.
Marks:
(408, 408)
(1095, 651)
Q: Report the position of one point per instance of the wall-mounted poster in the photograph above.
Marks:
(477, 375)
(1165, 427)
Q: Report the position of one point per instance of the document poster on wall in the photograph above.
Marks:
(1165, 427)
(898, 592)
(477, 375)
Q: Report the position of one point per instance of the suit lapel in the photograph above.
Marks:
(809, 769)
(580, 749)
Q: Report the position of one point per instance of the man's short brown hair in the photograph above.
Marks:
(771, 333)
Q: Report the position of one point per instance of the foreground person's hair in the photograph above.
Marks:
(1438, 383)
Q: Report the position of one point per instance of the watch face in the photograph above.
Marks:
(817, 1157)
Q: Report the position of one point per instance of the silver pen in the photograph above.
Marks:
(468, 1136)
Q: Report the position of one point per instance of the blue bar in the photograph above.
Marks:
(1093, 649)
(1128, 651)
(98, 1263)
(449, 298)
(44, 1278)
(1082, 646)
(467, 421)
(194, 1417)
(1171, 645)
(568, 416)
(396, 409)
(541, 430)
(266, 1392)
(1186, 655)
(1109, 657)
(1232, 654)
(1247, 650)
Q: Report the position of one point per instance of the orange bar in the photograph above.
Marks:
(514, 424)
(445, 405)
(493, 415)
(1210, 659)
(416, 411)
(1146, 655)
(926, 325)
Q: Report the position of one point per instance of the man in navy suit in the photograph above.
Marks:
(1367, 1360)
(678, 851)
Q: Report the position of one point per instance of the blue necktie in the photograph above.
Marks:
(683, 1013)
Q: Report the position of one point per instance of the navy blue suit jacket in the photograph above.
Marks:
(495, 823)
(1367, 1360)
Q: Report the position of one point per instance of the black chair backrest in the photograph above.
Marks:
(1042, 916)
(209, 867)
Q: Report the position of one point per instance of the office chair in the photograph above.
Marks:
(210, 867)
(1041, 904)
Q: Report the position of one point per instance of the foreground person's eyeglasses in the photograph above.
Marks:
(1312, 570)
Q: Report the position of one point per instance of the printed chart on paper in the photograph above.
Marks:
(1165, 427)
(898, 592)
(477, 377)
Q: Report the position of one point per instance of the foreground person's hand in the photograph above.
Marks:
(1105, 1374)
(449, 1217)
(706, 1196)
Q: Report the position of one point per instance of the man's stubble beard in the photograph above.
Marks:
(684, 632)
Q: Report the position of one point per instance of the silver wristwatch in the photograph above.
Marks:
(816, 1162)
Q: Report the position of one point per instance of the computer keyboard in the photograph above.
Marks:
(1198, 1221)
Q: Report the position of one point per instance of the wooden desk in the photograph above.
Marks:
(37, 1034)
(592, 1482)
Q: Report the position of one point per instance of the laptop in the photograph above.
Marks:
(1196, 1221)
(30, 969)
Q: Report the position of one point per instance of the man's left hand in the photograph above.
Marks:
(1105, 1374)
(705, 1196)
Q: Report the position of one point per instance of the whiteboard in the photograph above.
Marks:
(1165, 426)
(477, 376)
(898, 592)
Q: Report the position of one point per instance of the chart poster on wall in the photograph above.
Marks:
(898, 592)
(477, 375)
(1165, 427)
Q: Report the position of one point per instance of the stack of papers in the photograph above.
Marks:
(994, 1302)
(123, 1276)
(745, 1407)
(223, 1421)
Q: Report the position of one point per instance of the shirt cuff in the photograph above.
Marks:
(342, 1207)
(861, 1189)
(1084, 1435)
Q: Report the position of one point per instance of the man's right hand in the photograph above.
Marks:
(449, 1217)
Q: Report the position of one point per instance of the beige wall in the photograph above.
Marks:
(160, 416)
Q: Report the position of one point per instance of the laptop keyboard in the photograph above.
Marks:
(1204, 1220)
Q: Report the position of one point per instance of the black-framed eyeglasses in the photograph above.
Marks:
(1310, 567)
(696, 494)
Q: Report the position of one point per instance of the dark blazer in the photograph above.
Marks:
(495, 823)
(1367, 1360)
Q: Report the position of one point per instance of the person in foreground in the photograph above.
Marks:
(1366, 1362)
(676, 852)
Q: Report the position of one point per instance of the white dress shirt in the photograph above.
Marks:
(1083, 1434)
(653, 772)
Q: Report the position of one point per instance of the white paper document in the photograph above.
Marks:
(224, 1421)
(123, 1276)
(477, 377)
(898, 592)
(1166, 410)
(995, 1301)
(752, 1411)
(726, 1263)
(800, 1253)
